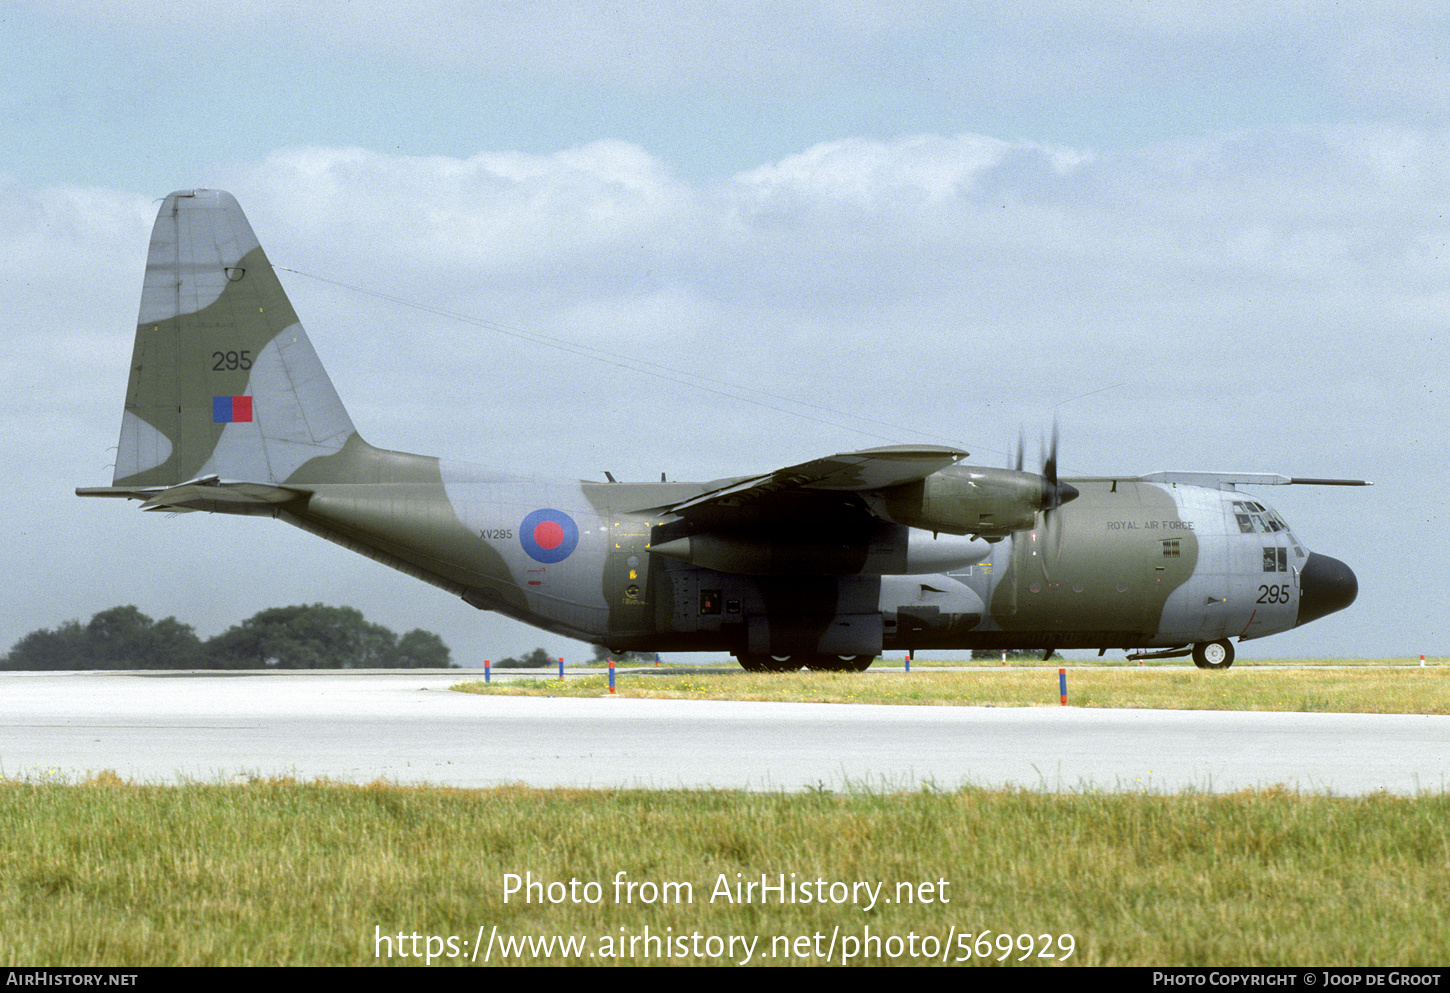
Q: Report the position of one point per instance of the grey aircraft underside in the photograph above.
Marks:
(825, 564)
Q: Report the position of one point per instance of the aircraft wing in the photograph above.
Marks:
(815, 488)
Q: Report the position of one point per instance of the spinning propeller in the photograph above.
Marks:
(1055, 493)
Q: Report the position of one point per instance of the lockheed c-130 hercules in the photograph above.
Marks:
(822, 565)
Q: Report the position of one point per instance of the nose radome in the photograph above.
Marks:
(1325, 585)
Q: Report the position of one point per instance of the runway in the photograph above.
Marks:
(408, 727)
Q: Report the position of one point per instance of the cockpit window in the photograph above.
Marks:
(1255, 518)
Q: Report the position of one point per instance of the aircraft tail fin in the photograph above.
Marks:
(223, 381)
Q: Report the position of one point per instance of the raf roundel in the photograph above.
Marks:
(549, 536)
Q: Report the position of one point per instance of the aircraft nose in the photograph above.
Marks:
(1325, 585)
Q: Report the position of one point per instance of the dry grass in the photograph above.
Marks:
(1357, 689)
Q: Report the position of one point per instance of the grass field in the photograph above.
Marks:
(281, 872)
(1402, 689)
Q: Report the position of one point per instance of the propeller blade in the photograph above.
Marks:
(1049, 465)
(1055, 493)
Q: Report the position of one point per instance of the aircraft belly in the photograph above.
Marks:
(921, 610)
(702, 610)
(834, 615)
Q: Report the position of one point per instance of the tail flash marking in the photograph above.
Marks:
(231, 410)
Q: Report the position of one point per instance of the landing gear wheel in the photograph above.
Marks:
(1213, 654)
(815, 663)
(752, 663)
(839, 663)
(756, 662)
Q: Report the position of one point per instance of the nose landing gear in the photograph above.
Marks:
(1213, 654)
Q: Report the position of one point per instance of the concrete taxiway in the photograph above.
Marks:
(409, 727)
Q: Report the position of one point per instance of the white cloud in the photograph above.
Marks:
(492, 216)
(865, 173)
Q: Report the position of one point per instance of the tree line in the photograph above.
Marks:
(300, 637)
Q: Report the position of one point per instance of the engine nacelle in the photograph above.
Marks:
(975, 500)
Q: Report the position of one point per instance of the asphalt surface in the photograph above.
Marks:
(408, 727)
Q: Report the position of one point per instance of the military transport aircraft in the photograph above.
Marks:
(822, 565)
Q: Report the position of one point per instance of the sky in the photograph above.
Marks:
(716, 238)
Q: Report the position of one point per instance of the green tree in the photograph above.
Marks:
(125, 638)
(62, 648)
(119, 638)
(304, 637)
(537, 659)
(420, 649)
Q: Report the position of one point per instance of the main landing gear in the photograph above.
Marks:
(815, 663)
(1213, 654)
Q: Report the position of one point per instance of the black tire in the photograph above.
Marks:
(1213, 654)
(756, 662)
(839, 663)
(814, 663)
(752, 663)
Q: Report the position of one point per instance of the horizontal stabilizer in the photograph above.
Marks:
(207, 493)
